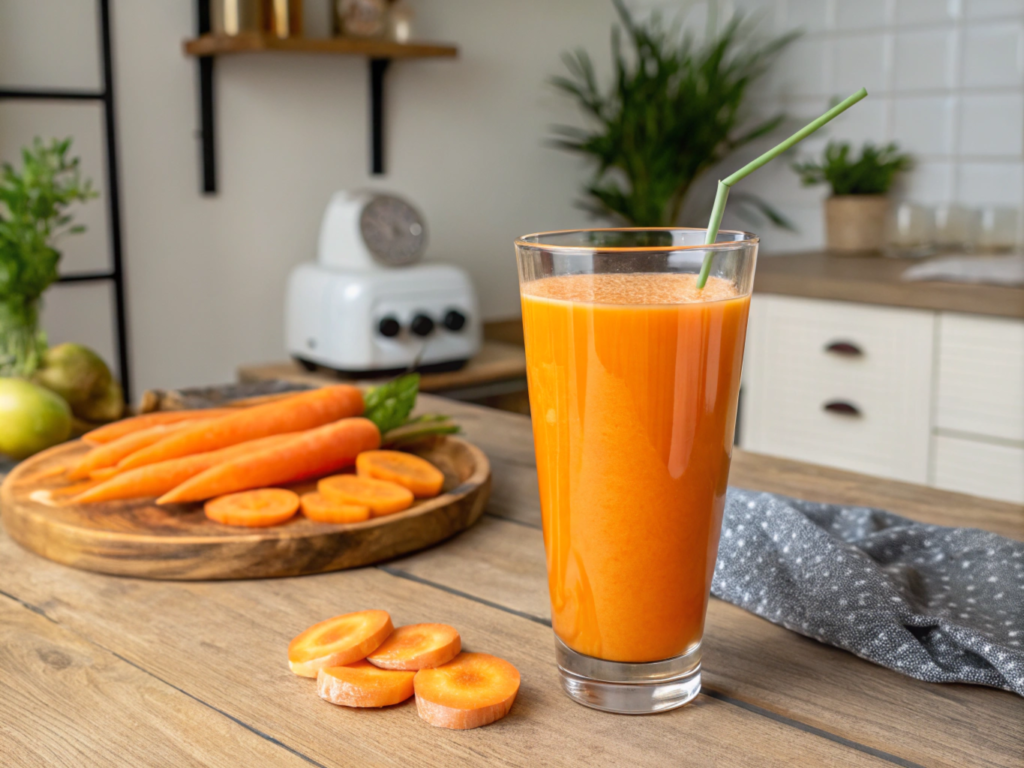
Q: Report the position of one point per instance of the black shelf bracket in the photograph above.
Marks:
(377, 69)
(206, 133)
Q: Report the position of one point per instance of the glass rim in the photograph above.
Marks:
(746, 239)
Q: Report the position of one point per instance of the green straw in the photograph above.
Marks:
(723, 185)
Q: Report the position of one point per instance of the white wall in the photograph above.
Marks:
(465, 143)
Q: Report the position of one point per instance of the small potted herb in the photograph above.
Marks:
(33, 216)
(855, 213)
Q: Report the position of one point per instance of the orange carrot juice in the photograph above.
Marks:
(633, 384)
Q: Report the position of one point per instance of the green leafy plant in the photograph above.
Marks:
(33, 217)
(674, 109)
(871, 174)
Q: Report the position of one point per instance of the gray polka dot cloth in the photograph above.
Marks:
(945, 605)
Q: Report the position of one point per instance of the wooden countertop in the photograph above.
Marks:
(496, 361)
(876, 280)
(98, 670)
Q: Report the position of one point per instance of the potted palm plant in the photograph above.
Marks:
(856, 211)
(676, 107)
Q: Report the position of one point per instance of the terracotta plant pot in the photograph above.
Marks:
(856, 223)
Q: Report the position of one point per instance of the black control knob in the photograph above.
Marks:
(454, 320)
(421, 325)
(389, 327)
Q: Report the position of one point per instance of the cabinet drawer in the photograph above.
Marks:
(839, 384)
(981, 376)
(982, 469)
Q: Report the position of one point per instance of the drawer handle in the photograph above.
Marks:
(842, 408)
(844, 348)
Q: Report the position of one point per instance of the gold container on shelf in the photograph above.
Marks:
(231, 18)
(284, 18)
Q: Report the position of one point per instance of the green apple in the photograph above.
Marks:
(31, 418)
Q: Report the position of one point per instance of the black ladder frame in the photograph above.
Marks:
(116, 272)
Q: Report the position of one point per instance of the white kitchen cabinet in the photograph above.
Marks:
(980, 376)
(929, 397)
(980, 468)
(839, 384)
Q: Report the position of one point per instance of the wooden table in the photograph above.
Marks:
(97, 670)
(877, 280)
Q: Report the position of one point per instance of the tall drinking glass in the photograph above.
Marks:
(634, 374)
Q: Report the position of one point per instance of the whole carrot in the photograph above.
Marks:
(110, 432)
(294, 414)
(314, 452)
(153, 480)
(109, 454)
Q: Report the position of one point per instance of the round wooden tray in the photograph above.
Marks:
(138, 538)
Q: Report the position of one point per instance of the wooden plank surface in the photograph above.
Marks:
(751, 660)
(225, 644)
(65, 701)
(772, 697)
(496, 361)
(876, 280)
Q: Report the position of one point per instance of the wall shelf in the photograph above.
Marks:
(379, 54)
(213, 45)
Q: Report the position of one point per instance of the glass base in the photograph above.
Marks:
(629, 689)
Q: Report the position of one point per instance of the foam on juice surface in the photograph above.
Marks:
(633, 288)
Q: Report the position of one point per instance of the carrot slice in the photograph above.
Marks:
(363, 685)
(417, 646)
(153, 480)
(304, 411)
(409, 471)
(110, 432)
(253, 509)
(109, 454)
(337, 642)
(316, 507)
(382, 497)
(473, 690)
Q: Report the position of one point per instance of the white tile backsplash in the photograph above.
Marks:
(809, 221)
(861, 14)
(924, 123)
(994, 55)
(802, 70)
(930, 183)
(866, 122)
(991, 184)
(926, 11)
(987, 9)
(946, 82)
(859, 62)
(809, 15)
(924, 59)
(992, 125)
